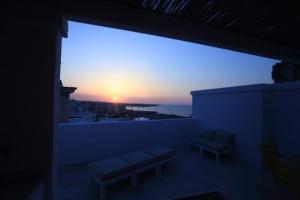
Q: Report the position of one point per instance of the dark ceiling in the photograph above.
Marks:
(267, 28)
(269, 20)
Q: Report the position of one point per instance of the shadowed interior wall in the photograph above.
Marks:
(95, 141)
(31, 49)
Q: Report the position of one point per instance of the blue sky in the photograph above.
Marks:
(115, 65)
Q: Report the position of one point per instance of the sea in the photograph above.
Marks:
(180, 110)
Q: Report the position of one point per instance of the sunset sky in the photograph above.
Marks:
(114, 65)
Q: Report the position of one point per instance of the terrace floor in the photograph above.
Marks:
(189, 173)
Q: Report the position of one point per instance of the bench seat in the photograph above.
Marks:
(216, 146)
(214, 141)
(113, 169)
(139, 159)
(199, 140)
(161, 152)
(110, 168)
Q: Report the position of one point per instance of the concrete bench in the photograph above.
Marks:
(214, 141)
(111, 170)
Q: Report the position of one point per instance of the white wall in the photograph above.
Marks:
(236, 110)
(284, 117)
(78, 143)
(254, 113)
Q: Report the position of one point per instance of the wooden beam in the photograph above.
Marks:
(108, 14)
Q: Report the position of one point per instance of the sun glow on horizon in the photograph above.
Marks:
(115, 99)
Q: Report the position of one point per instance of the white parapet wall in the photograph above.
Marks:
(283, 104)
(254, 113)
(85, 142)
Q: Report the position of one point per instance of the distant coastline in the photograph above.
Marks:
(119, 103)
(178, 110)
(138, 104)
(109, 111)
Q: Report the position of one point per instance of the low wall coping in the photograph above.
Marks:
(125, 122)
(295, 85)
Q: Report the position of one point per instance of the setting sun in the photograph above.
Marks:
(115, 99)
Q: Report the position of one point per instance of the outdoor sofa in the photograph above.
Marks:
(111, 170)
(214, 141)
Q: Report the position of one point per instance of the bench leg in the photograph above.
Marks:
(158, 170)
(217, 158)
(133, 180)
(233, 156)
(191, 147)
(102, 191)
(201, 152)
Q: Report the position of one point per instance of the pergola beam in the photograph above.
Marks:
(105, 13)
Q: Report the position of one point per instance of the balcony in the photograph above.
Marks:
(255, 114)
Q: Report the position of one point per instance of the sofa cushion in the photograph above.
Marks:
(223, 137)
(199, 140)
(161, 152)
(110, 168)
(139, 159)
(207, 134)
(217, 146)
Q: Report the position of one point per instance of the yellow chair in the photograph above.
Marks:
(268, 151)
(286, 175)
